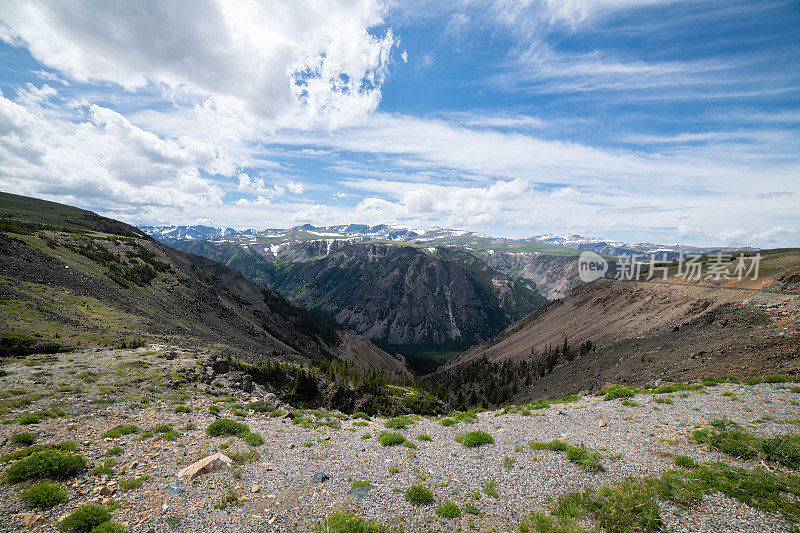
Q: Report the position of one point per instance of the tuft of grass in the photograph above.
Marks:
(116, 450)
(447, 422)
(471, 508)
(362, 416)
(133, 483)
(425, 437)
(341, 522)
(119, 431)
(45, 495)
(399, 422)
(360, 483)
(554, 446)
(173, 521)
(49, 464)
(685, 461)
(85, 518)
(448, 509)
(586, 458)
(508, 462)
(107, 467)
(391, 439)
(26, 438)
(491, 489)
(182, 409)
(224, 427)
(241, 458)
(418, 495)
(109, 527)
(473, 439)
(165, 430)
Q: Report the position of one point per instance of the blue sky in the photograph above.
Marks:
(647, 120)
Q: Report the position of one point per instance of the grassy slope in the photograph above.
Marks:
(55, 282)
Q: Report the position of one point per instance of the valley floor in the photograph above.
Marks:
(270, 487)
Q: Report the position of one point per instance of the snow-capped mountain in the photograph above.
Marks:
(610, 247)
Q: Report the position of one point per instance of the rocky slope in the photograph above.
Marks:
(70, 274)
(641, 330)
(399, 295)
(296, 471)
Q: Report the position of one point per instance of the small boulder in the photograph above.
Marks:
(255, 489)
(206, 465)
(320, 477)
(602, 423)
(32, 519)
(220, 366)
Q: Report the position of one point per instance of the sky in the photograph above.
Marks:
(640, 120)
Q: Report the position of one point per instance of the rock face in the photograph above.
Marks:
(206, 465)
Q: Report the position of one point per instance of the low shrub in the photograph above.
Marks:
(24, 438)
(618, 391)
(425, 437)
(418, 495)
(391, 439)
(399, 422)
(472, 439)
(253, 439)
(45, 494)
(225, 427)
(448, 509)
(447, 422)
(85, 518)
(50, 464)
(119, 431)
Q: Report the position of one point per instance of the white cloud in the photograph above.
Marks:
(99, 156)
(286, 61)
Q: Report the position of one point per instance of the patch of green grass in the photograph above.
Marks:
(391, 439)
(45, 494)
(231, 499)
(214, 409)
(360, 415)
(628, 403)
(23, 438)
(418, 495)
(182, 409)
(173, 521)
(241, 458)
(109, 527)
(447, 422)
(50, 464)
(471, 508)
(366, 436)
(448, 509)
(473, 439)
(685, 461)
(225, 427)
(662, 400)
(728, 437)
(508, 462)
(253, 439)
(133, 483)
(399, 422)
(341, 522)
(165, 430)
(425, 437)
(119, 431)
(618, 391)
(116, 450)
(469, 417)
(360, 483)
(85, 518)
(105, 468)
(586, 458)
(553, 446)
(490, 488)
(542, 523)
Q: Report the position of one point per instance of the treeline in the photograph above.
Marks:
(486, 384)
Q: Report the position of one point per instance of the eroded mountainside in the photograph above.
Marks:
(397, 294)
(70, 274)
(640, 331)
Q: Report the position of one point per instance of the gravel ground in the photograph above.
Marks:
(636, 441)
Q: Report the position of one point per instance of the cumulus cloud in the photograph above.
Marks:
(286, 61)
(99, 155)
